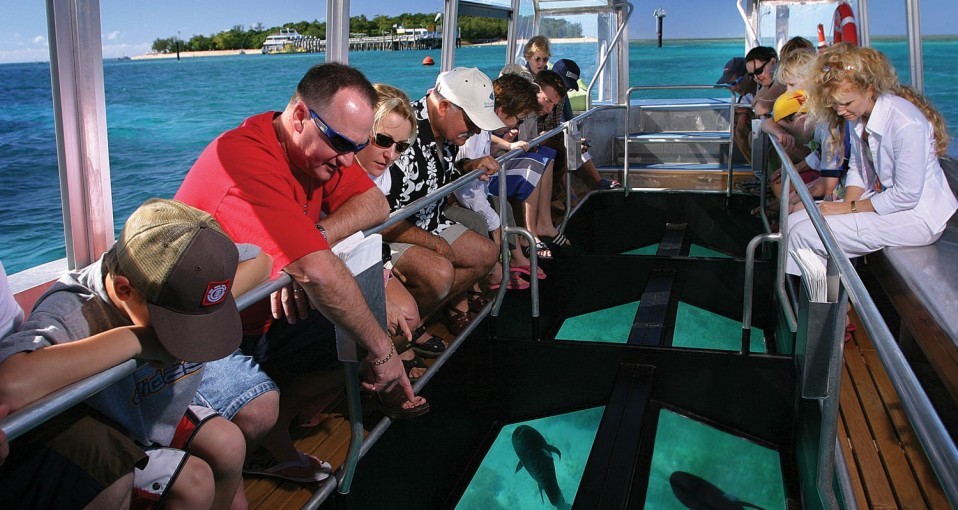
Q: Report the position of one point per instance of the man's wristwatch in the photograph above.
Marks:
(322, 231)
(461, 165)
(854, 207)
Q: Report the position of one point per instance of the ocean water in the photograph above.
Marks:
(162, 113)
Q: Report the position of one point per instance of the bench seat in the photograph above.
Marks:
(922, 283)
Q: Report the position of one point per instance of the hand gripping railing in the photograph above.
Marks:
(934, 438)
(628, 119)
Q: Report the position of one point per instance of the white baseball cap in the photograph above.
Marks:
(470, 89)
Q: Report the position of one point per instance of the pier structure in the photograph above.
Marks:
(393, 42)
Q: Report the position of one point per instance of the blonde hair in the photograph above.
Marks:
(862, 69)
(796, 64)
(538, 43)
(393, 100)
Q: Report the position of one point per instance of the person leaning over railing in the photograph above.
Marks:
(162, 294)
(282, 180)
(394, 129)
(895, 191)
(516, 100)
(440, 258)
(536, 213)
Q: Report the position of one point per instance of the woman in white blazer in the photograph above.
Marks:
(896, 193)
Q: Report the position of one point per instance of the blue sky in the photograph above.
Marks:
(130, 26)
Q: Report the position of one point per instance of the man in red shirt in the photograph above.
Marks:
(281, 181)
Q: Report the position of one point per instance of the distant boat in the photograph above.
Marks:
(283, 42)
(124, 57)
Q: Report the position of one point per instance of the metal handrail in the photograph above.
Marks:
(628, 117)
(934, 438)
(605, 57)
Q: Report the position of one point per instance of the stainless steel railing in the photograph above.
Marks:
(934, 438)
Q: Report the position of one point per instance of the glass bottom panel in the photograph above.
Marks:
(697, 466)
(694, 328)
(566, 439)
(694, 251)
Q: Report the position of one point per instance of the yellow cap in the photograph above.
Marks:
(789, 103)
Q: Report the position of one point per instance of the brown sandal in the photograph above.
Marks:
(456, 320)
(477, 300)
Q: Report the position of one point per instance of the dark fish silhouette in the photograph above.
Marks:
(698, 494)
(535, 454)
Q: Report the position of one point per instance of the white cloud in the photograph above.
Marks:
(39, 40)
(113, 35)
(25, 55)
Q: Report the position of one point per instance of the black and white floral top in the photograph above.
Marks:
(421, 169)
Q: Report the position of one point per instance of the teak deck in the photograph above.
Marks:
(888, 467)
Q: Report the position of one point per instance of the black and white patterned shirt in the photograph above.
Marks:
(420, 170)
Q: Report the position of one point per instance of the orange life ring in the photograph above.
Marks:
(845, 29)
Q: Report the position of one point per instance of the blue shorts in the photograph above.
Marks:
(523, 173)
(266, 362)
(232, 382)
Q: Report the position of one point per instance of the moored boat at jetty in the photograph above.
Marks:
(286, 41)
(706, 351)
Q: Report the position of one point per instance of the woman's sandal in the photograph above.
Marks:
(432, 347)
(456, 320)
(516, 282)
(391, 403)
(477, 300)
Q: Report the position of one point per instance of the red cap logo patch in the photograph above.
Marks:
(215, 293)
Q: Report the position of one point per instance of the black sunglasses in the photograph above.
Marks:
(759, 70)
(384, 141)
(340, 143)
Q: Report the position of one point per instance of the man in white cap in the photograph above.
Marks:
(445, 257)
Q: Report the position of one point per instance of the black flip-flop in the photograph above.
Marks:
(430, 348)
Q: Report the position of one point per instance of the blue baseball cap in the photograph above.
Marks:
(569, 71)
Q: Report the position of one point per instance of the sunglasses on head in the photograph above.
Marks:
(759, 70)
(384, 141)
(339, 143)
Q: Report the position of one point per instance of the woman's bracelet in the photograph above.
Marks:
(384, 359)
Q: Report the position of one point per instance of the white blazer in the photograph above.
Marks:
(902, 147)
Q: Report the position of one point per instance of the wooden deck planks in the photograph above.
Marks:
(878, 442)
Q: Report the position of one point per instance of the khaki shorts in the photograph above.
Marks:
(450, 234)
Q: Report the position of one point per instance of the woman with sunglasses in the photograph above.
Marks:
(896, 193)
(394, 127)
(537, 54)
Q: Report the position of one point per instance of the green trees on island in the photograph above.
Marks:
(472, 29)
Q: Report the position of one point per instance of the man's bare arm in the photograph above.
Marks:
(332, 288)
(360, 212)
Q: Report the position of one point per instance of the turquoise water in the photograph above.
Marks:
(686, 445)
(681, 445)
(497, 485)
(695, 328)
(161, 113)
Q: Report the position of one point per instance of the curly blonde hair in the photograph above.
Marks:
(863, 68)
(796, 64)
(393, 100)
